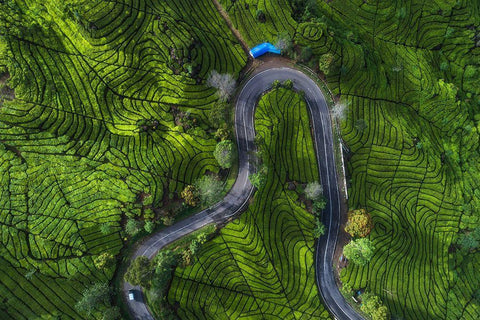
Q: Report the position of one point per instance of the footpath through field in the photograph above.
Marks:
(237, 199)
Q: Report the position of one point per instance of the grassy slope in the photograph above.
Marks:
(261, 265)
(71, 156)
(409, 73)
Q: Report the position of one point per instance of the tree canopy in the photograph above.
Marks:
(225, 153)
(139, 272)
(209, 189)
(359, 223)
(359, 251)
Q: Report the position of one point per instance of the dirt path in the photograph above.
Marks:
(235, 32)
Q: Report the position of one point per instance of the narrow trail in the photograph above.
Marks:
(235, 32)
(238, 197)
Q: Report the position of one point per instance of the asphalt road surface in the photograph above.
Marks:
(237, 199)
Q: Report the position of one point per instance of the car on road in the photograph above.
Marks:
(131, 295)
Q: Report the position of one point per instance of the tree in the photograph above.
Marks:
(104, 260)
(319, 205)
(319, 229)
(224, 83)
(111, 313)
(222, 133)
(359, 223)
(168, 220)
(313, 190)
(225, 153)
(218, 114)
(373, 306)
(306, 54)
(92, 297)
(468, 241)
(139, 272)
(359, 251)
(190, 195)
(209, 190)
(132, 227)
(164, 262)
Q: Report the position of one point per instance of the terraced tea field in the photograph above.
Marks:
(261, 265)
(77, 146)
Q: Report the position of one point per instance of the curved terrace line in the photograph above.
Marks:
(237, 198)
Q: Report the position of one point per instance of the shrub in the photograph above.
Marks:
(168, 220)
(190, 195)
(359, 223)
(359, 251)
(139, 272)
(319, 205)
(218, 114)
(222, 133)
(225, 153)
(313, 190)
(288, 84)
(92, 297)
(319, 229)
(209, 190)
(224, 83)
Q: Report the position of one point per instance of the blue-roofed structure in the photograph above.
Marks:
(263, 48)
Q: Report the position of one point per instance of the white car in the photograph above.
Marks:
(131, 295)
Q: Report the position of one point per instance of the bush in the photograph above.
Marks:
(209, 190)
(139, 272)
(225, 153)
(313, 190)
(284, 42)
(224, 83)
(93, 296)
(190, 195)
(359, 223)
(222, 133)
(319, 205)
(359, 251)
(218, 114)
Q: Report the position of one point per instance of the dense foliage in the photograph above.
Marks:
(225, 153)
(359, 223)
(359, 251)
(262, 264)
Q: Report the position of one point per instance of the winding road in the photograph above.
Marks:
(237, 199)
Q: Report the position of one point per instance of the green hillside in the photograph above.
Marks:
(261, 265)
(109, 120)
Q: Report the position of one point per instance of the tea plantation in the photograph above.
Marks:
(107, 120)
(105, 116)
(261, 265)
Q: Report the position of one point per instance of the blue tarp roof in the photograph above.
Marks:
(263, 48)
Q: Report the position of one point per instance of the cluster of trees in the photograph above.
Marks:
(360, 250)
(97, 297)
(469, 240)
(314, 192)
(206, 191)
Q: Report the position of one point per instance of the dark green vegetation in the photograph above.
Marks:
(261, 265)
(110, 120)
